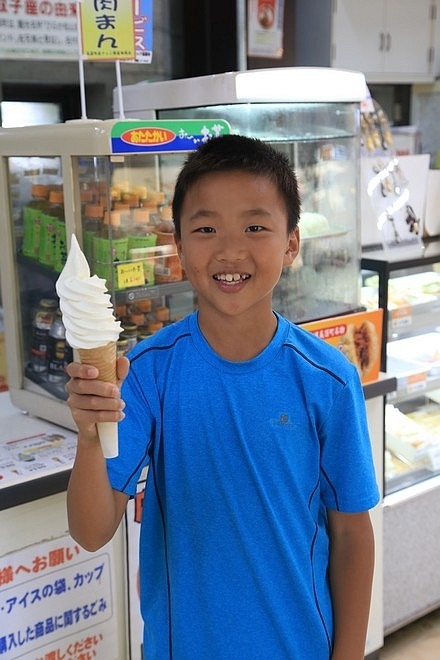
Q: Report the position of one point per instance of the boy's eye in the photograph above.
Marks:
(255, 228)
(205, 230)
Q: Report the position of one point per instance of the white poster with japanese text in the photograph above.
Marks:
(58, 601)
(41, 30)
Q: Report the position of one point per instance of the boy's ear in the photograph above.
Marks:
(178, 243)
(292, 249)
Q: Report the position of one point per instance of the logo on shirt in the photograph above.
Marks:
(283, 421)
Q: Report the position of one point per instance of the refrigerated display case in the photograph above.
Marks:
(408, 290)
(312, 115)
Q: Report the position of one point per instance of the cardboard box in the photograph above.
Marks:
(352, 333)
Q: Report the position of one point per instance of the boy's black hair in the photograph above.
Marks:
(238, 152)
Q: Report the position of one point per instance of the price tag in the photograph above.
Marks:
(130, 275)
(401, 317)
(416, 382)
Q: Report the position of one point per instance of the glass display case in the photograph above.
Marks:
(312, 115)
(110, 183)
(408, 289)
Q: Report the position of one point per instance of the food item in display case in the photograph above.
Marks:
(422, 351)
(167, 266)
(91, 327)
(361, 345)
(406, 439)
(313, 224)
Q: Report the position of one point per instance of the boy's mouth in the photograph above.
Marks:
(232, 278)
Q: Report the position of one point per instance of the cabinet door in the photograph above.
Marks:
(358, 40)
(408, 37)
(388, 40)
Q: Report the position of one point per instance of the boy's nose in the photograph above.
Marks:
(230, 249)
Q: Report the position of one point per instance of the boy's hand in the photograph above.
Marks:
(91, 400)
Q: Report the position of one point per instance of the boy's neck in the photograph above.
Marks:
(238, 338)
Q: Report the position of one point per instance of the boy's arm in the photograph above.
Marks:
(94, 509)
(351, 575)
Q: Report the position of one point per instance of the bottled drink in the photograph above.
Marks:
(51, 221)
(56, 350)
(43, 319)
(32, 215)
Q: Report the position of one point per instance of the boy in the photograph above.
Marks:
(256, 541)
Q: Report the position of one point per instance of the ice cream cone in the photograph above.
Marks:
(104, 359)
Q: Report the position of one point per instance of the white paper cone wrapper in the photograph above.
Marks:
(104, 358)
(108, 437)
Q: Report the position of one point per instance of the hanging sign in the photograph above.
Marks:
(143, 136)
(40, 30)
(265, 28)
(107, 29)
(143, 31)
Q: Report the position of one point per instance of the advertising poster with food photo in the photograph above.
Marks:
(265, 19)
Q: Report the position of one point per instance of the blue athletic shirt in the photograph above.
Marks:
(244, 460)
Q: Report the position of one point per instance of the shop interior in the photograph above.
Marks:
(369, 166)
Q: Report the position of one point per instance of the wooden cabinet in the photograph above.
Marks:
(388, 40)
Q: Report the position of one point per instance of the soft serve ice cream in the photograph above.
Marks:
(91, 328)
(85, 304)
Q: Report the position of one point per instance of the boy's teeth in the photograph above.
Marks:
(230, 277)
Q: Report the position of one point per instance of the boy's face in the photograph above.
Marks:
(234, 241)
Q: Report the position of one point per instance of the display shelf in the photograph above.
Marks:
(385, 264)
(124, 296)
(407, 287)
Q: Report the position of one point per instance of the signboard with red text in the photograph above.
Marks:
(57, 601)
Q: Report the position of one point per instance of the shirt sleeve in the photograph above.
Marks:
(348, 480)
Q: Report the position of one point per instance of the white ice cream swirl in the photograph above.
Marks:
(85, 304)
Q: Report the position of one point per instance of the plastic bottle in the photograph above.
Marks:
(110, 247)
(41, 324)
(56, 350)
(32, 215)
(51, 222)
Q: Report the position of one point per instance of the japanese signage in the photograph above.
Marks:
(57, 601)
(48, 29)
(143, 30)
(357, 335)
(158, 136)
(43, 29)
(265, 28)
(107, 29)
(35, 456)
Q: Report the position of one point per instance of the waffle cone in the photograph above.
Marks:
(104, 359)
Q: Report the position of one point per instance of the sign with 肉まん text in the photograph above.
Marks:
(107, 30)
